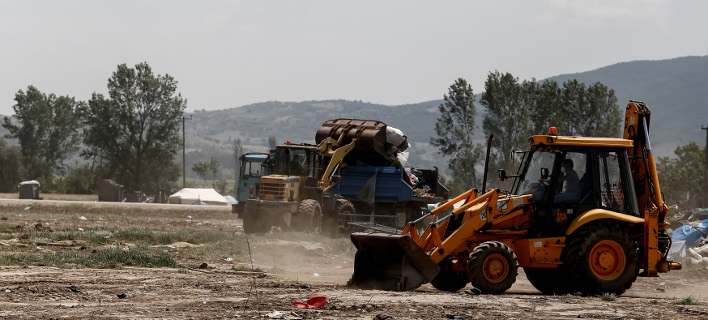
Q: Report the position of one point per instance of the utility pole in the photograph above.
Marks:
(184, 162)
(705, 171)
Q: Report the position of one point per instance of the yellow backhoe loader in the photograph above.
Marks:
(584, 215)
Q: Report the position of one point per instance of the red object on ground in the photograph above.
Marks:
(314, 302)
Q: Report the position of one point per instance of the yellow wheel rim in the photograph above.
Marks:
(495, 268)
(607, 260)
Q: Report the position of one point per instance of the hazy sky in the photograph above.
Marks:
(226, 54)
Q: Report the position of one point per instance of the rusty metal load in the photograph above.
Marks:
(371, 147)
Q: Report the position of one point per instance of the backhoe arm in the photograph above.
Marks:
(330, 148)
(646, 180)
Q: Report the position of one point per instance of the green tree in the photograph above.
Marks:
(681, 177)
(238, 151)
(544, 99)
(11, 168)
(455, 129)
(47, 128)
(201, 169)
(602, 115)
(79, 180)
(214, 168)
(136, 128)
(220, 186)
(507, 116)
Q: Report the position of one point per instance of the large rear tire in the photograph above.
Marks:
(309, 216)
(492, 267)
(550, 281)
(602, 258)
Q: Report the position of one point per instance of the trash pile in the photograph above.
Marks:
(689, 240)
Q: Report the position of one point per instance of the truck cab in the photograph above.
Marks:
(251, 169)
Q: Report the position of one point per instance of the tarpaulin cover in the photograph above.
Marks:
(193, 195)
(690, 234)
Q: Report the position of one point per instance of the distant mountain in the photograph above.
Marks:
(676, 90)
(211, 133)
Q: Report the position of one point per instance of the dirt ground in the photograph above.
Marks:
(295, 270)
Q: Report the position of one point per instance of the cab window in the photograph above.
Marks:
(574, 181)
(611, 181)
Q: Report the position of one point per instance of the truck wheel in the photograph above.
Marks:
(602, 258)
(492, 267)
(251, 222)
(550, 281)
(345, 207)
(309, 216)
(239, 210)
(450, 281)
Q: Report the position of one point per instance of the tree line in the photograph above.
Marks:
(517, 109)
(130, 135)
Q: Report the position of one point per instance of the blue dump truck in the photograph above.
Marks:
(386, 198)
(251, 169)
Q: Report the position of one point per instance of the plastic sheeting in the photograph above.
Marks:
(685, 237)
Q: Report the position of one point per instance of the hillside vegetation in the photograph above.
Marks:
(675, 90)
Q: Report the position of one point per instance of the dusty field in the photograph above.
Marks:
(296, 267)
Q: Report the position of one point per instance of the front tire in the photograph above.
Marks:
(309, 216)
(492, 267)
(251, 221)
(603, 258)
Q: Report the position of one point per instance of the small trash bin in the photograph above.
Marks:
(29, 189)
(110, 191)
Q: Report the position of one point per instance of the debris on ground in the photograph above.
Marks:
(688, 241)
(310, 249)
(286, 315)
(314, 302)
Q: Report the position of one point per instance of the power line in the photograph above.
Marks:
(705, 171)
(184, 163)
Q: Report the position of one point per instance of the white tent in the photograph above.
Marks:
(198, 196)
(231, 200)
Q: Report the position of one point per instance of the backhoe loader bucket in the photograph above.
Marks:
(390, 262)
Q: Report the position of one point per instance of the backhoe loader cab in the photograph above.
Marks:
(567, 180)
(583, 215)
(299, 160)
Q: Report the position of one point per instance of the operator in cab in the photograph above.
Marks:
(568, 190)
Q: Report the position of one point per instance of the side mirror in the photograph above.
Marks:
(502, 175)
(544, 173)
